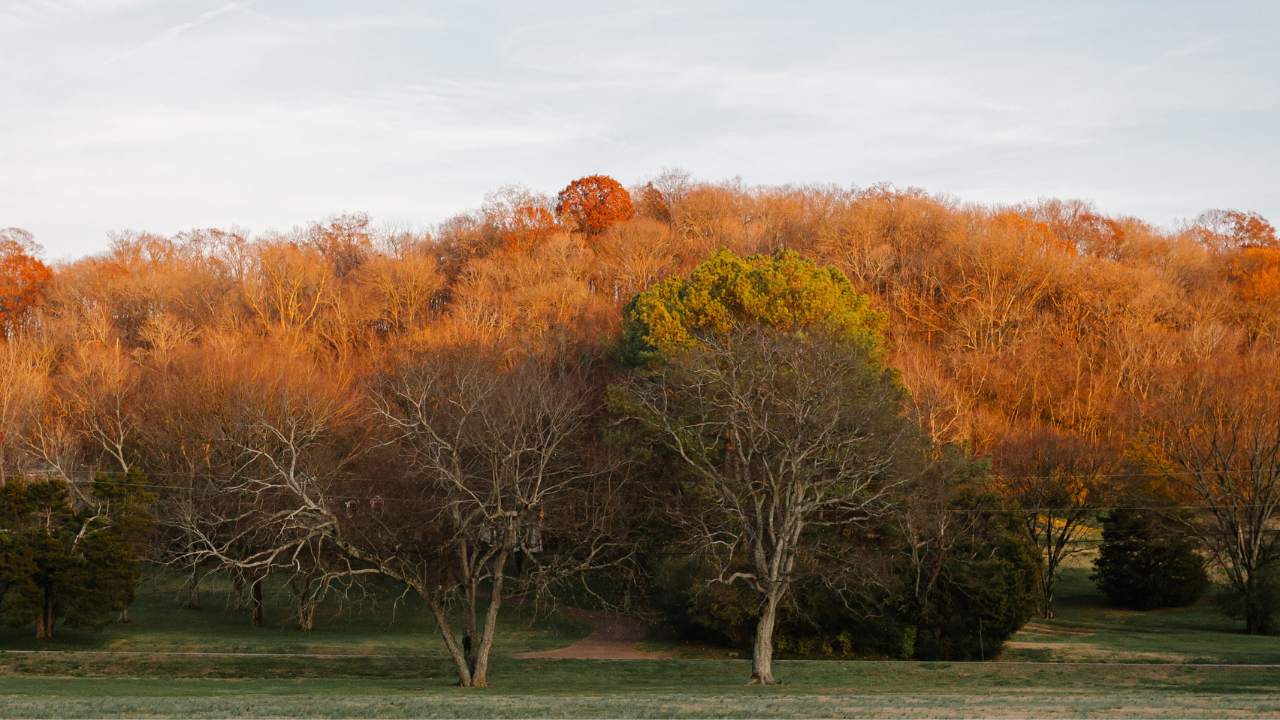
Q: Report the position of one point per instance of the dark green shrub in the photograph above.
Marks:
(1148, 560)
(985, 590)
(987, 583)
(70, 558)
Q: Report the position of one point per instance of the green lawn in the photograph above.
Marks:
(1084, 630)
(383, 624)
(701, 688)
(370, 665)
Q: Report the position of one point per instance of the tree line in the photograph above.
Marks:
(869, 418)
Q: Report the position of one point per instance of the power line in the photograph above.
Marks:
(1270, 469)
(384, 498)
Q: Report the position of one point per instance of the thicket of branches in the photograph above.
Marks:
(300, 400)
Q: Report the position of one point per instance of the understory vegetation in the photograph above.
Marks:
(366, 661)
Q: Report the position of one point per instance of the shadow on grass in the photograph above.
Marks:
(383, 623)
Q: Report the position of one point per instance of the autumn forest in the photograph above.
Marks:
(793, 420)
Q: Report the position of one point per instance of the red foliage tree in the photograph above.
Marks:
(23, 278)
(593, 203)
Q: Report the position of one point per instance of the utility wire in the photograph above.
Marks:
(376, 496)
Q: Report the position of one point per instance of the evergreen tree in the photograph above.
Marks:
(67, 555)
(1147, 561)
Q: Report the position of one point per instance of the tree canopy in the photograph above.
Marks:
(23, 278)
(592, 203)
(1073, 354)
(70, 555)
(784, 292)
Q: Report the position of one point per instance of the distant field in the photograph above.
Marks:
(362, 664)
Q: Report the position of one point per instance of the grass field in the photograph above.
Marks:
(170, 662)
(694, 688)
(1084, 630)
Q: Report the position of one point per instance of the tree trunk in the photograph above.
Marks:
(470, 628)
(762, 653)
(480, 669)
(456, 653)
(1050, 571)
(1257, 619)
(255, 603)
(46, 618)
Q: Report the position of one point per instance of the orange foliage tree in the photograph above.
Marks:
(23, 278)
(517, 219)
(528, 225)
(593, 203)
(1037, 235)
(653, 203)
(1256, 273)
(1223, 230)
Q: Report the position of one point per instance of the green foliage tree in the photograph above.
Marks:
(1148, 560)
(951, 576)
(783, 292)
(765, 377)
(70, 556)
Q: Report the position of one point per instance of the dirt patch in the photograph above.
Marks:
(614, 636)
(1042, 629)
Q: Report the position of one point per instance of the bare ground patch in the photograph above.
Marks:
(614, 636)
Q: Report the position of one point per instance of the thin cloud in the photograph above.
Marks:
(174, 31)
(39, 12)
(266, 114)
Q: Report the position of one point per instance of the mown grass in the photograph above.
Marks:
(382, 622)
(693, 688)
(1084, 629)
(376, 666)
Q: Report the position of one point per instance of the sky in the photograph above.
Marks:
(167, 115)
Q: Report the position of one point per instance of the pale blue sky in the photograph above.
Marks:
(172, 114)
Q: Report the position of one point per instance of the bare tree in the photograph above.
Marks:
(477, 484)
(1217, 434)
(1059, 481)
(285, 436)
(493, 480)
(782, 436)
(24, 387)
